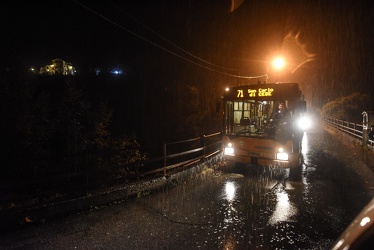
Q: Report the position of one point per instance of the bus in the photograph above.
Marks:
(249, 135)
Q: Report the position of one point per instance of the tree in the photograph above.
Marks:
(51, 127)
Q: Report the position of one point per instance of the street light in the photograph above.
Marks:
(279, 63)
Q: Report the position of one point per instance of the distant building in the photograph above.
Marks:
(58, 67)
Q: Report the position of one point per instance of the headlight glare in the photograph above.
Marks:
(304, 123)
(282, 156)
(229, 151)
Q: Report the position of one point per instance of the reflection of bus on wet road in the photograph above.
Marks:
(250, 137)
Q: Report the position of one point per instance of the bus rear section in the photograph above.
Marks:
(251, 135)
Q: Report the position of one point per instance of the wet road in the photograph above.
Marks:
(227, 208)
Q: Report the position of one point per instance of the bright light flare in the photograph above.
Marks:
(279, 63)
(304, 123)
(229, 150)
(282, 156)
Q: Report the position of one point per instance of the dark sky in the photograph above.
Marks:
(109, 31)
(200, 34)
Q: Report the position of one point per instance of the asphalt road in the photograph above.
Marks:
(227, 207)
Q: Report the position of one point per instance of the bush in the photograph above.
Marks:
(348, 108)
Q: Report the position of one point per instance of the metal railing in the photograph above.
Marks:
(353, 129)
(177, 156)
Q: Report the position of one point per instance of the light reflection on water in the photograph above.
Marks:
(230, 228)
(284, 210)
(248, 213)
(230, 190)
(306, 161)
(304, 145)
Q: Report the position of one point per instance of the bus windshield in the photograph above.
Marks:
(248, 117)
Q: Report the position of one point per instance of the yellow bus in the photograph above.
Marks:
(251, 136)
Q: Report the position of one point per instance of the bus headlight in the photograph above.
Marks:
(281, 155)
(229, 150)
(304, 123)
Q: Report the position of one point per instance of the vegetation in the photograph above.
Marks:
(58, 125)
(51, 126)
(348, 108)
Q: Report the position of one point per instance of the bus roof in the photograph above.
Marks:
(266, 92)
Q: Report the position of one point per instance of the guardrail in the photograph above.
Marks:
(353, 129)
(177, 156)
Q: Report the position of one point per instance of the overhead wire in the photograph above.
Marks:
(168, 41)
(164, 49)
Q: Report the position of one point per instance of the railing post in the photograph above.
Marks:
(364, 129)
(202, 144)
(164, 151)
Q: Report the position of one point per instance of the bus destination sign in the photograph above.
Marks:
(254, 92)
(269, 91)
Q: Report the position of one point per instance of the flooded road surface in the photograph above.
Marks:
(230, 207)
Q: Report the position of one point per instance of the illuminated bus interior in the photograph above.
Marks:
(249, 117)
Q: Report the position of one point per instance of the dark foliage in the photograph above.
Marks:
(348, 108)
(56, 125)
(52, 126)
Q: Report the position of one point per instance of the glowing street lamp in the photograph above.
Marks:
(279, 63)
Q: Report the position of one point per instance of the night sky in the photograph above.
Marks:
(184, 37)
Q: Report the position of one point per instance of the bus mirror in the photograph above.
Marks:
(302, 106)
